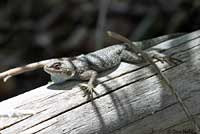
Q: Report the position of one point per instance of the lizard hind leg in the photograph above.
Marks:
(163, 58)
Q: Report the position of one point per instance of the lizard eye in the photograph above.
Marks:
(56, 65)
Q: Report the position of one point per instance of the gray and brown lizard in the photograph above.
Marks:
(87, 67)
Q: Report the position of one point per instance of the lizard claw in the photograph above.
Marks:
(168, 59)
(164, 58)
(88, 90)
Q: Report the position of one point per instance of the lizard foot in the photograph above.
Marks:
(164, 58)
(168, 59)
(88, 90)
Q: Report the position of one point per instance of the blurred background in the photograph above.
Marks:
(34, 30)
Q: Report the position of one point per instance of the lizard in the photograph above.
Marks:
(87, 66)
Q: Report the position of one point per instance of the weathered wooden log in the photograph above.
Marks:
(131, 99)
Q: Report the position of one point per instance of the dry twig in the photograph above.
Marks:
(19, 70)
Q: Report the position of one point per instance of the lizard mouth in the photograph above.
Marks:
(51, 70)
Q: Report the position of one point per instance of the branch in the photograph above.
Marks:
(19, 70)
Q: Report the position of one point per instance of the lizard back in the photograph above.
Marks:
(105, 58)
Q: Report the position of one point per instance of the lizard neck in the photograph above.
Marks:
(80, 64)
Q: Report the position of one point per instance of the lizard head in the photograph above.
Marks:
(60, 70)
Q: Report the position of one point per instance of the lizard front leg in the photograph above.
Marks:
(88, 88)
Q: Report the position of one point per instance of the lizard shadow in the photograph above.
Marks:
(115, 99)
(121, 104)
(66, 85)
